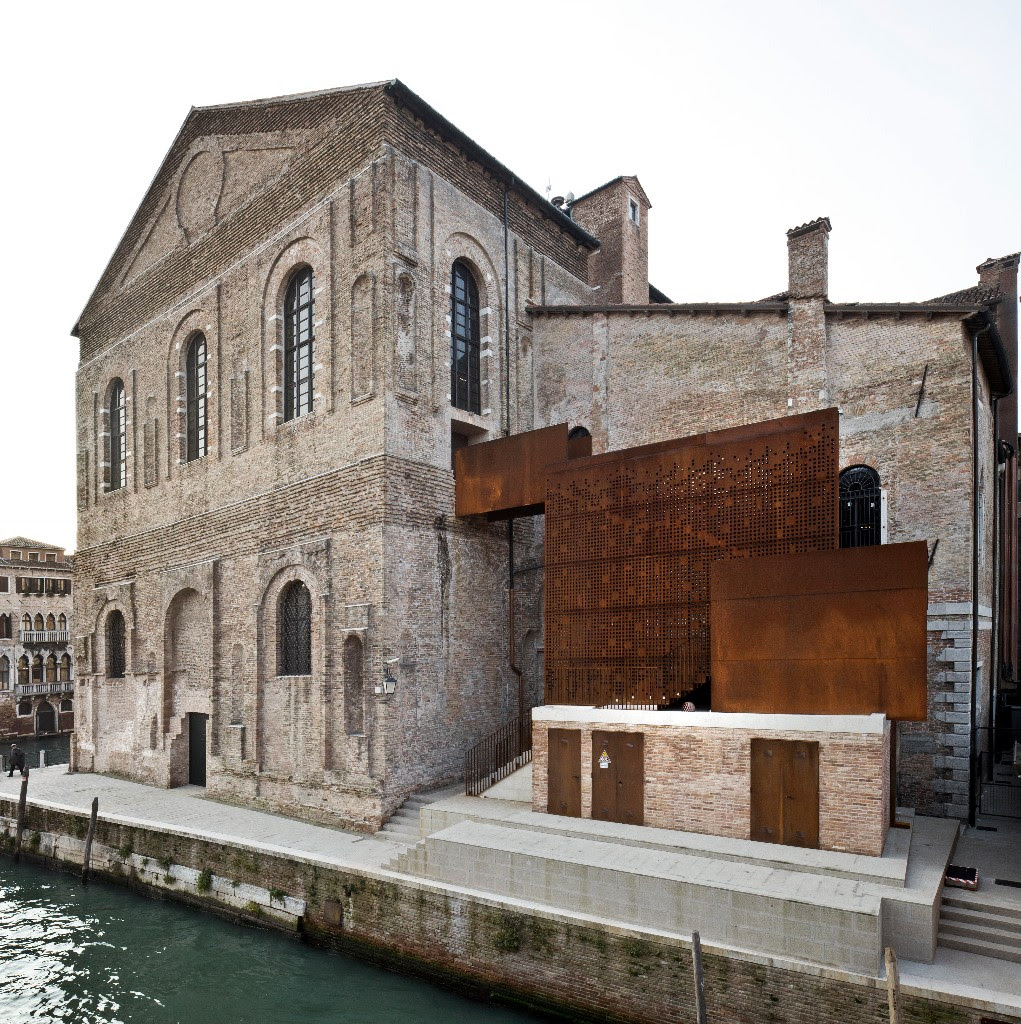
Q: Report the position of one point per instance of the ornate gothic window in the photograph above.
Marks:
(295, 629)
(37, 669)
(465, 387)
(65, 668)
(118, 437)
(39, 625)
(51, 622)
(62, 622)
(51, 669)
(195, 388)
(26, 622)
(5, 627)
(23, 670)
(860, 507)
(299, 313)
(115, 661)
(5, 672)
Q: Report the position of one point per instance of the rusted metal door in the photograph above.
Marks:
(564, 773)
(618, 777)
(785, 792)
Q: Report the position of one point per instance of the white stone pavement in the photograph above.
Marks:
(188, 812)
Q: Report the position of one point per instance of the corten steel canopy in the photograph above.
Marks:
(828, 632)
(507, 477)
(631, 536)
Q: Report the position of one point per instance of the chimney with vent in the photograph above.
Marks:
(617, 213)
(807, 260)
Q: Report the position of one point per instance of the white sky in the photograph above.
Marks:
(899, 121)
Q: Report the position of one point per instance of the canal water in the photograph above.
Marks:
(57, 748)
(100, 954)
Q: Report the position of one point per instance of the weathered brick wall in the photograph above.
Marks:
(699, 779)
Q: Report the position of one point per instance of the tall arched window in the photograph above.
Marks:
(295, 624)
(5, 627)
(37, 669)
(51, 622)
(354, 697)
(23, 670)
(26, 622)
(65, 668)
(860, 507)
(118, 437)
(465, 387)
(39, 625)
(195, 388)
(299, 313)
(62, 622)
(51, 669)
(115, 662)
(5, 672)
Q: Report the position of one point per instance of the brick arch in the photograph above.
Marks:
(294, 256)
(276, 727)
(187, 658)
(108, 606)
(198, 320)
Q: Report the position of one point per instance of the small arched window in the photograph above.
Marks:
(861, 507)
(23, 670)
(115, 662)
(465, 373)
(295, 624)
(5, 672)
(65, 668)
(5, 627)
(118, 437)
(195, 387)
(299, 331)
(62, 622)
(37, 669)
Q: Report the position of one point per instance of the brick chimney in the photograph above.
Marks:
(807, 260)
(617, 213)
(807, 371)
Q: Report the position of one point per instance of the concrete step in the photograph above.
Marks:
(1007, 924)
(991, 949)
(820, 919)
(976, 903)
(1000, 936)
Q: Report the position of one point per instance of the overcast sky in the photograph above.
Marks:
(899, 121)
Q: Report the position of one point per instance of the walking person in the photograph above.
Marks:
(17, 760)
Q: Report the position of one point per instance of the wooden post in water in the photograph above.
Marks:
(88, 839)
(893, 987)
(696, 964)
(21, 817)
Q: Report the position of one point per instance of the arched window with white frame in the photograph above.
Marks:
(117, 450)
(299, 335)
(195, 398)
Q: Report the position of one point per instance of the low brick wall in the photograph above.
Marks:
(491, 948)
(698, 769)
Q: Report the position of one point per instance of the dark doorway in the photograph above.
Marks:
(618, 777)
(564, 794)
(197, 749)
(45, 718)
(785, 792)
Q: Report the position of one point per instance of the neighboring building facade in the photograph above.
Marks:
(36, 655)
(274, 596)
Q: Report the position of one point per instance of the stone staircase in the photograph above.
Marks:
(403, 826)
(976, 924)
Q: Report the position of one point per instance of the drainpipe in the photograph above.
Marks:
(511, 642)
(972, 727)
(995, 653)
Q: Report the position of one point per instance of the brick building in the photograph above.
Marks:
(274, 595)
(36, 656)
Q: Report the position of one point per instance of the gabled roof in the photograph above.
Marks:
(27, 542)
(629, 179)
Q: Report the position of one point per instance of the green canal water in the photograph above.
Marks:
(100, 953)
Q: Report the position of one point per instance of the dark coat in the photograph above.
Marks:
(17, 761)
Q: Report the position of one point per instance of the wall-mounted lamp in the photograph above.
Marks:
(389, 684)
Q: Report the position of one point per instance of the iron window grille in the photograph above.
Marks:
(861, 507)
(465, 363)
(118, 436)
(115, 662)
(195, 388)
(295, 654)
(299, 313)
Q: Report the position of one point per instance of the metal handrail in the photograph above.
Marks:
(498, 755)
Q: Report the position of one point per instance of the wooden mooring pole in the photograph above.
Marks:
(893, 987)
(696, 964)
(21, 817)
(88, 839)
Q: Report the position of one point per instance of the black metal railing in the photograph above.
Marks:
(999, 757)
(500, 754)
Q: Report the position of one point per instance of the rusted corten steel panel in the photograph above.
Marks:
(630, 537)
(828, 632)
(507, 477)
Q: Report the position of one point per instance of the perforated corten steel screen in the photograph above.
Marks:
(630, 537)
